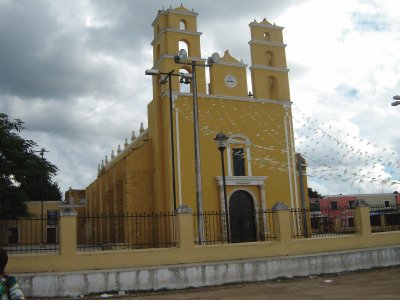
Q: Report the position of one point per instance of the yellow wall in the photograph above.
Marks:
(125, 184)
(186, 252)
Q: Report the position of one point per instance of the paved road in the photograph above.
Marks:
(371, 284)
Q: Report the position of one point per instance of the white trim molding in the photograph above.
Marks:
(263, 42)
(285, 103)
(269, 68)
(164, 30)
(241, 180)
(233, 64)
(170, 56)
(266, 25)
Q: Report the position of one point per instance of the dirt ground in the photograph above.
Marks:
(370, 284)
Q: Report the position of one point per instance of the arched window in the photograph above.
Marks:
(273, 90)
(239, 160)
(267, 36)
(184, 87)
(270, 59)
(183, 44)
(182, 25)
(158, 28)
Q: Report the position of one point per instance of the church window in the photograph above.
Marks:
(273, 91)
(270, 59)
(267, 36)
(238, 162)
(182, 25)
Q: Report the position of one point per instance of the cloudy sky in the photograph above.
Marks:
(73, 71)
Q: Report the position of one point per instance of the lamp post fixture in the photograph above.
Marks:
(185, 78)
(182, 55)
(397, 100)
(222, 141)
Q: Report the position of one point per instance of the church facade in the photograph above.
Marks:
(156, 170)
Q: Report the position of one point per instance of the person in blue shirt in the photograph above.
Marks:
(9, 287)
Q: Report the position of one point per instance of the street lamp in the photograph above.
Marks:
(222, 141)
(182, 55)
(185, 78)
(397, 102)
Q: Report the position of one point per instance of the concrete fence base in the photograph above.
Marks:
(201, 275)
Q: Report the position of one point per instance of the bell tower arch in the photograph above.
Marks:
(268, 68)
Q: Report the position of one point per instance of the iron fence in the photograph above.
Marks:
(33, 234)
(126, 231)
(246, 227)
(307, 223)
(385, 217)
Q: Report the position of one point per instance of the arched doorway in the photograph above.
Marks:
(242, 217)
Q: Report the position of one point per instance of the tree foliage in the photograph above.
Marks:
(23, 174)
(313, 194)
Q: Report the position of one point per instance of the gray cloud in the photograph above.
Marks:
(68, 80)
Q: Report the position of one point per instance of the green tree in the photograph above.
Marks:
(23, 174)
(314, 197)
(313, 194)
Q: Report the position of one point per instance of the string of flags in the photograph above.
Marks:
(332, 154)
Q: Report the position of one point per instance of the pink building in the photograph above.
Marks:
(332, 213)
(337, 201)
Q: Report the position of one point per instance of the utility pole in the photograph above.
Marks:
(42, 151)
(303, 198)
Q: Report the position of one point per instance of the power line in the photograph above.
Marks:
(51, 134)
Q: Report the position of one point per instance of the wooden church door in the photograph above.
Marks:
(242, 218)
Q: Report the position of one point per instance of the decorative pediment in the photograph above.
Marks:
(228, 57)
(182, 9)
(264, 21)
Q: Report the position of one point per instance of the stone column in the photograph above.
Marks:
(184, 227)
(281, 222)
(362, 219)
(68, 234)
(265, 230)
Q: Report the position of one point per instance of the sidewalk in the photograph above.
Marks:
(370, 284)
(373, 284)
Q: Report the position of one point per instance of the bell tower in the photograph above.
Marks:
(176, 29)
(268, 68)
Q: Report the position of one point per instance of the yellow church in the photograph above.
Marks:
(176, 164)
